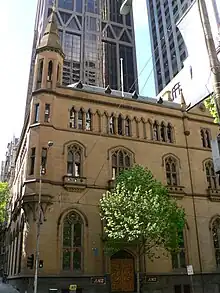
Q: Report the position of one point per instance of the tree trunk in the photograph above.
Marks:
(138, 270)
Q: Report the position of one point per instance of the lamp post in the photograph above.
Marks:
(42, 172)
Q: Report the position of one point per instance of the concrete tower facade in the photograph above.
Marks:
(167, 44)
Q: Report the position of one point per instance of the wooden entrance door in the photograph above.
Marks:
(122, 275)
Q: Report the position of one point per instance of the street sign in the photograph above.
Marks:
(98, 280)
(72, 287)
(190, 270)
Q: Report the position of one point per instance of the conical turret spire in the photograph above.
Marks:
(50, 39)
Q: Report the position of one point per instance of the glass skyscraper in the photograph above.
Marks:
(94, 37)
(168, 47)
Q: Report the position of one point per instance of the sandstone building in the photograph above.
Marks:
(95, 134)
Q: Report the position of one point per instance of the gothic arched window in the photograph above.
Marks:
(72, 118)
(120, 125)
(40, 73)
(127, 127)
(211, 175)
(112, 124)
(169, 133)
(156, 131)
(179, 258)
(205, 137)
(216, 240)
(50, 70)
(121, 160)
(72, 250)
(80, 119)
(58, 73)
(74, 161)
(88, 120)
(171, 167)
(163, 132)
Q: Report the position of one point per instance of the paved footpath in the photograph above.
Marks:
(6, 288)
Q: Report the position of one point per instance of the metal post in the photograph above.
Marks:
(38, 234)
(191, 279)
(122, 78)
(213, 58)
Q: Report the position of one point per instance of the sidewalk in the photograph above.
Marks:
(6, 288)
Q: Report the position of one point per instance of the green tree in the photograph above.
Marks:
(4, 195)
(211, 106)
(139, 213)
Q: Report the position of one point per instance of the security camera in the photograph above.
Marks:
(50, 144)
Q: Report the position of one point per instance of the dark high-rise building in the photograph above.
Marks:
(168, 48)
(94, 37)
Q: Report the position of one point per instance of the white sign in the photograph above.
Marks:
(195, 78)
(190, 270)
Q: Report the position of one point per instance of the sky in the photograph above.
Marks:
(16, 31)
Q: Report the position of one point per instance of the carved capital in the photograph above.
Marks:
(30, 206)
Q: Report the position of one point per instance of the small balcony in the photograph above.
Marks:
(74, 183)
(177, 191)
(214, 194)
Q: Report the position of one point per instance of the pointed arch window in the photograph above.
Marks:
(179, 258)
(80, 119)
(88, 120)
(163, 132)
(40, 73)
(50, 70)
(216, 240)
(211, 176)
(156, 131)
(120, 125)
(72, 248)
(127, 127)
(169, 133)
(72, 118)
(121, 160)
(171, 168)
(112, 124)
(74, 161)
(205, 137)
(58, 73)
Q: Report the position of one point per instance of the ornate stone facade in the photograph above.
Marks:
(96, 133)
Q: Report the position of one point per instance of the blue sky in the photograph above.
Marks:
(16, 31)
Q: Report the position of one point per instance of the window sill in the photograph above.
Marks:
(177, 191)
(73, 183)
(214, 194)
(179, 270)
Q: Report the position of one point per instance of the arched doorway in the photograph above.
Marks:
(122, 272)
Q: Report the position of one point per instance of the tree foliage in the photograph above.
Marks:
(211, 106)
(139, 212)
(4, 195)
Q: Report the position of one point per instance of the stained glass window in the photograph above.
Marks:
(72, 242)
